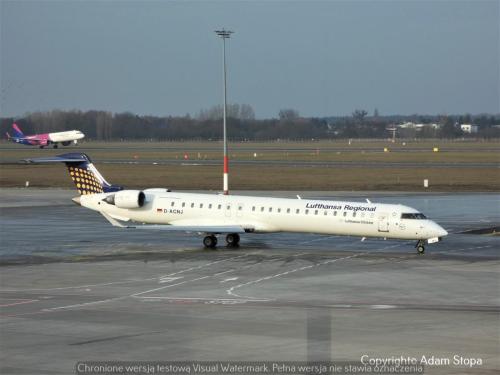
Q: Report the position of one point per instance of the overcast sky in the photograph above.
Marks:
(321, 58)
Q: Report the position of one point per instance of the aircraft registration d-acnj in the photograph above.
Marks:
(213, 214)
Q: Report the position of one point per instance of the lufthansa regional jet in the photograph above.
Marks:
(46, 139)
(232, 215)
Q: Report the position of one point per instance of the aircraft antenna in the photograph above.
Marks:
(225, 34)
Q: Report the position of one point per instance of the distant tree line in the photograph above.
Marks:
(242, 125)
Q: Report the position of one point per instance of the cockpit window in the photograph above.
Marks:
(417, 216)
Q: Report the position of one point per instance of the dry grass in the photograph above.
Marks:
(265, 177)
(269, 177)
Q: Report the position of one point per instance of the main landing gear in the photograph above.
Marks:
(232, 240)
(210, 241)
(420, 246)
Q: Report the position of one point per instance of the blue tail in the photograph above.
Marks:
(84, 174)
(17, 131)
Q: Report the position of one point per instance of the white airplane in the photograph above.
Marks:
(45, 139)
(214, 214)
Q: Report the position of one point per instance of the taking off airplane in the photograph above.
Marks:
(232, 215)
(42, 140)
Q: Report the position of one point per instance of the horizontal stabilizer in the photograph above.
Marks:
(84, 174)
(66, 158)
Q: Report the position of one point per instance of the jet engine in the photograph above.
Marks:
(127, 199)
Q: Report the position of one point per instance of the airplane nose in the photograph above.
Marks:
(440, 231)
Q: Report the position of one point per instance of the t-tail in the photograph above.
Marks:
(84, 174)
(16, 131)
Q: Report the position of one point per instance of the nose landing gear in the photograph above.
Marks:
(420, 246)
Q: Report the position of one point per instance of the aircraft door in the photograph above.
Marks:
(383, 222)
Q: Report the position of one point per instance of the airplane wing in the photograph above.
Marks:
(181, 228)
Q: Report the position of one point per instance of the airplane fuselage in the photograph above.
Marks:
(45, 139)
(260, 214)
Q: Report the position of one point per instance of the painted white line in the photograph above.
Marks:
(168, 286)
(228, 279)
(20, 303)
(83, 304)
(231, 290)
(135, 295)
(201, 299)
(169, 279)
(382, 307)
(316, 240)
(78, 286)
(203, 265)
(223, 272)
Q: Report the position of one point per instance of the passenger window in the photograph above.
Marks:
(354, 214)
(307, 212)
(345, 213)
(192, 205)
(219, 206)
(240, 208)
(270, 209)
(183, 204)
(228, 207)
(201, 205)
(325, 213)
(253, 208)
(210, 206)
(316, 212)
(297, 211)
(287, 210)
(172, 204)
(262, 209)
(334, 213)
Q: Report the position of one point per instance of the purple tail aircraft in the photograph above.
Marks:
(46, 139)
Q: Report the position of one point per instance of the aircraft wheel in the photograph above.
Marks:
(55, 146)
(210, 241)
(42, 146)
(233, 239)
(421, 249)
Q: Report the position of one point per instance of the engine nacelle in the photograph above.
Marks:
(127, 199)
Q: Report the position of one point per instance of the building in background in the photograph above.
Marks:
(469, 128)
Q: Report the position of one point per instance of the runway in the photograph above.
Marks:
(73, 288)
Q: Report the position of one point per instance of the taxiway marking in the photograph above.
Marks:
(20, 302)
(231, 290)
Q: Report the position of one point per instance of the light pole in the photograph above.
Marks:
(224, 34)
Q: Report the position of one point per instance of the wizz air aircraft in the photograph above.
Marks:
(46, 139)
(232, 215)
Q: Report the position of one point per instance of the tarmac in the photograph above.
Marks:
(73, 288)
